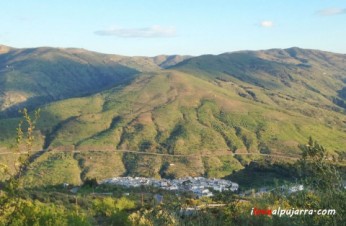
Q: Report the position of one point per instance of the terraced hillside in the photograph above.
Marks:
(192, 117)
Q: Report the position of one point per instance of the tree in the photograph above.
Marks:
(25, 139)
(317, 167)
(324, 185)
(10, 201)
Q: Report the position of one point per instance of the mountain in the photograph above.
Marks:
(186, 115)
(314, 76)
(165, 61)
(32, 77)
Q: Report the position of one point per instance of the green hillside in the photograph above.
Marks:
(314, 77)
(192, 117)
(32, 77)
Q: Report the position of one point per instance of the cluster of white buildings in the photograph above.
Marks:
(295, 188)
(282, 189)
(198, 185)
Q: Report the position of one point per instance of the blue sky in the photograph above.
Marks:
(193, 27)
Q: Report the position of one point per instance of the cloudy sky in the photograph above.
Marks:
(193, 27)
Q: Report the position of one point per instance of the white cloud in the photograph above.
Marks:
(331, 11)
(267, 23)
(155, 31)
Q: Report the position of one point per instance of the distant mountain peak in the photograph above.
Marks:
(4, 49)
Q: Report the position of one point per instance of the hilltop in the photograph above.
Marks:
(197, 110)
(35, 76)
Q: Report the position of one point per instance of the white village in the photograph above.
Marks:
(200, 186)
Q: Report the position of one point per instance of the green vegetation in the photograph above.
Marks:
(32, 77)
(105, 204)
(199, 112)
(52, 169)
(239, 116)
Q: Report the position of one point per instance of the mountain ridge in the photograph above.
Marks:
(41, 65)
(261, 102)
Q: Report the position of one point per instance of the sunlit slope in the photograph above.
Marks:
(32, 77)
(196, 114)
(315, 77)
(175, 113)
(179, 113)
